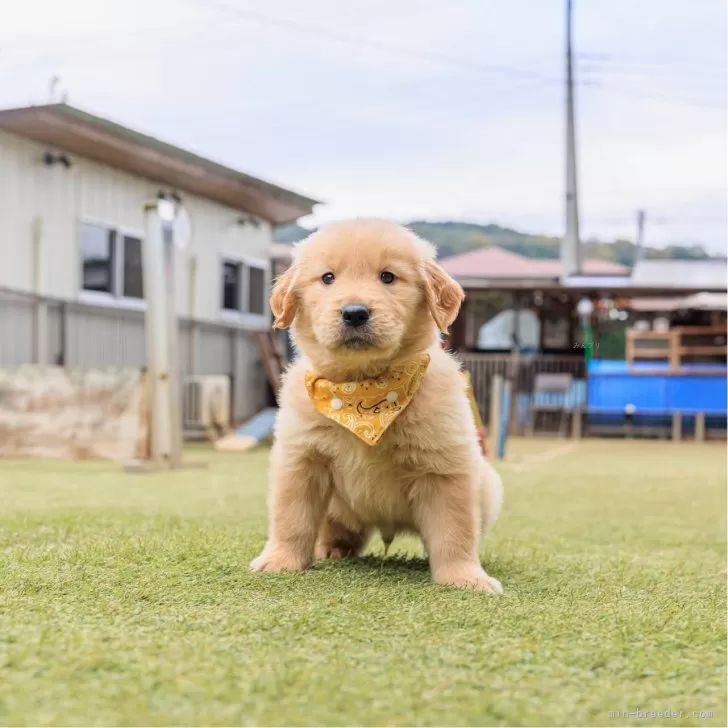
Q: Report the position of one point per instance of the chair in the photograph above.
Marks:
(550, 394)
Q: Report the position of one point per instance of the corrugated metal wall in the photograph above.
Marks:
(17, 329)
(59, 200)
(83, 336)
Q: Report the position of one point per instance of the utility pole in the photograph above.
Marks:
(53, 85)
(570, 248)
(639, 245)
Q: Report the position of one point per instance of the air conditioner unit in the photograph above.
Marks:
(206, 404)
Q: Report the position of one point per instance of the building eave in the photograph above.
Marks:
(77, 132)
(581, 285)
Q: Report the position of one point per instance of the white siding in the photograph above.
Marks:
(94, 192)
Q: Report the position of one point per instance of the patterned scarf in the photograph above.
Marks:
(368, 407)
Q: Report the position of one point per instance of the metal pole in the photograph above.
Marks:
(157, 338)
(515, 378)
(639, 240)
(503, 429)
(194, 334)
(41, 305)
(494, 420)
(570, 249)
(172, 325)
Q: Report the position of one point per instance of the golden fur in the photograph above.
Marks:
(329, 490)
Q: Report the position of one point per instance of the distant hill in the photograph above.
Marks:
(459, 237)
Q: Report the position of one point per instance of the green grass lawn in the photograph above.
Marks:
(126, 599)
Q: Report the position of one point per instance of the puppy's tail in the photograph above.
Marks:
(491, 496)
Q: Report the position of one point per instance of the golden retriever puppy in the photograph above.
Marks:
(375, 430)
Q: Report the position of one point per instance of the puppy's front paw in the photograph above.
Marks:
(273, 559)
(469, 577)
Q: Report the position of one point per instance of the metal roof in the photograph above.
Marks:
(78, 132)
(698, 301)
(499, 269)
(495, 262)
(698, 275)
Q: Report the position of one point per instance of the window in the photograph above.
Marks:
(231, 286)
(133, 281)
(244, 286)
(556, 332)
(97, 251)
(111, 262)
(256, 290)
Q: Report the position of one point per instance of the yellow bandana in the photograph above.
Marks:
(368, 407)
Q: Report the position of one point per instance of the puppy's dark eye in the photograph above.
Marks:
(387, 277)
(328, 278)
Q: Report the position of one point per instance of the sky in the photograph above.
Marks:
(426, 109)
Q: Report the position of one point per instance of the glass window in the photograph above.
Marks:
(97, 255)
(231, 279)
(133, 284)
(256, 290)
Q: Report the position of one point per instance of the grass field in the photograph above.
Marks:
(126, 599)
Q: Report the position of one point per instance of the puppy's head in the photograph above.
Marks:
(364, 291)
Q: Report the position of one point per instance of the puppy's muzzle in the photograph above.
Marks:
(355, 315)
(356, 331)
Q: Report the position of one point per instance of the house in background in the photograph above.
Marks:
(72, 193)
(522, 320)
(499, 282)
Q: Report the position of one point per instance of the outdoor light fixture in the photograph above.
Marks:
(165, 208)
(50, 160)
(248, 220)
(174, 217)
(585, 308)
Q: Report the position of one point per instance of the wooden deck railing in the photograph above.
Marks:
(677, 346)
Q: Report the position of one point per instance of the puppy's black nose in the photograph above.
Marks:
(355, 314)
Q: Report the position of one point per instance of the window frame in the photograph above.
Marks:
(116, 298)
(243, 316)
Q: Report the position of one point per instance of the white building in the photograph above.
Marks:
(72, 194)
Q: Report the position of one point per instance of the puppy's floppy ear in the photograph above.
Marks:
(283, 300)
(444, 295)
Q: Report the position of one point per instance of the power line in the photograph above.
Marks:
(421, 54)
(712, 104)
(320, 32)
(647, 62)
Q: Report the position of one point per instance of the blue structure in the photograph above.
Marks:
(651, 393)
(647, 388)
